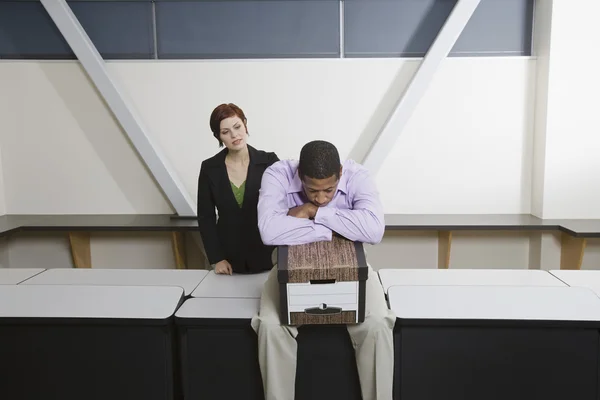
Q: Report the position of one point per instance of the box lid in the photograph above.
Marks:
(339, 259)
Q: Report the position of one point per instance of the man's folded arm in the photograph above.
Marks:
(365, 221)
(275, 226)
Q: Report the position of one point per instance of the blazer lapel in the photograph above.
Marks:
(253, 179)
(221, 180)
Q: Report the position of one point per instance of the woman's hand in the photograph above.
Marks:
(223, 267)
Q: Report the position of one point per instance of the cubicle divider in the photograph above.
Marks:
(222, 307)
(187, 280)
(118, 334)
(496, 342)
(494, 334)
(218, 350)
(74, 342)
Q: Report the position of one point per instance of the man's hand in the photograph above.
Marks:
(223, 267)
(306, 210)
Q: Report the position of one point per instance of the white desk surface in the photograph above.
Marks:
(495, 302)
(247, 286)
(70, 301)
(467, 277)
(187, 279)
(211, 307)
(580, 278)
(14, 276)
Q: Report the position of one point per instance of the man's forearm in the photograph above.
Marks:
(356, 225)
(279, 230)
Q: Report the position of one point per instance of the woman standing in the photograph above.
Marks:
(230, 181)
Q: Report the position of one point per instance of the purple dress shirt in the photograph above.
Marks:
(355, 212)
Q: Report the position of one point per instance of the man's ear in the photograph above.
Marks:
(341, 168)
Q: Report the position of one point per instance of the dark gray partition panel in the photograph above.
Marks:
(588, 228)
(392, 28)
(88, 342)
(496, 342)
(217, 343)
(247, 29)
(505, 222)
(118, 29)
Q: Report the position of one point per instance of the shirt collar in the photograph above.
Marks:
(296, 184)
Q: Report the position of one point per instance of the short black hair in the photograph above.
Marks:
(319, 160)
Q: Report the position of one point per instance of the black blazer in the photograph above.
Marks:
(235, 236)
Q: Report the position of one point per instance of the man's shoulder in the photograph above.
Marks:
(283, 171)
(284, 167)
(352, 169)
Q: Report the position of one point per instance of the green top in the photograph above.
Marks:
(238, 192)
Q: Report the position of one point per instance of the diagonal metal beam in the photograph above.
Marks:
(417, 87)
(121, 107)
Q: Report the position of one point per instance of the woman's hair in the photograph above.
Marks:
(221, 112)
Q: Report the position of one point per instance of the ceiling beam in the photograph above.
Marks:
(417, 87)
(122, 108)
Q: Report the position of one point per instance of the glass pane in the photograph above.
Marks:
(120, 29)
(27, 31)
(247, 29)
(393, 28)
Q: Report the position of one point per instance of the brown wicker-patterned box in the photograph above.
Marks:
(322, 282)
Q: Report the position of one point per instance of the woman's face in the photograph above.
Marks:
(233, 133)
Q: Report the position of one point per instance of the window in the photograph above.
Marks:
(247, 29)
(26, 31)
(407, 28)
(203, 29)
(118, 29)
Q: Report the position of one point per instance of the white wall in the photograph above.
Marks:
(571, 140)
(65, 152)
(492, 135)
(2, 196)
(8, 124)
(467, 147)
(151, 250)
(83, 164)
(541, 49)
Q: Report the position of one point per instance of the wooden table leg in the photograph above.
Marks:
(80, 249)
(444, 245)
(571, 251)
(178, 244)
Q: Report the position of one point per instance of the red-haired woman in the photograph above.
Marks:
(229, 181)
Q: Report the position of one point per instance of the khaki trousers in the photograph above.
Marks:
(372, 341)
